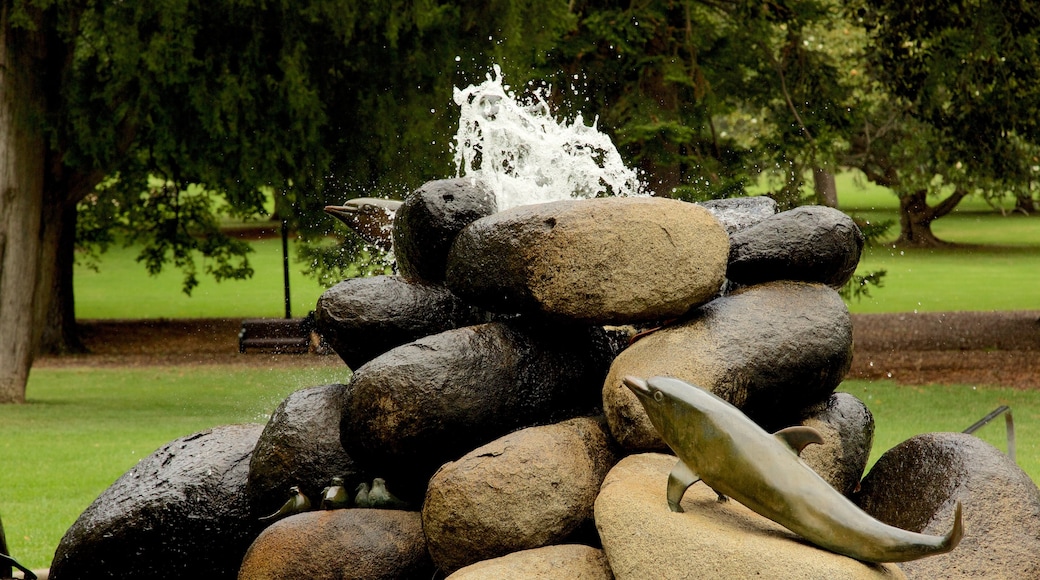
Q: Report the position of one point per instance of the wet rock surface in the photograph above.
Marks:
(564, 562)
(181, 512)
(525, 490)
(771, 350)
(431, 401)
(347, 544)
(808, 244)
(428, 221)
(916, 485)
(847, 427)
(300, 446)
(642, 538)
(739, 213)
(361, 318)
(599, 261)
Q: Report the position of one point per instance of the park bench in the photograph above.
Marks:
(277, 334)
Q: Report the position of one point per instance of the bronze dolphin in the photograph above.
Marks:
(719, 445)
(371, 217)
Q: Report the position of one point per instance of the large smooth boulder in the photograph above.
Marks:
(916, 484)
(847, 426)
(721, 540)
(525, 490)
(599, 261)
(181, 512)
(300, 446)
(428, 221)
(361, 318)
(346, 544)
(771, 350)
(740, 213)
(431, 401)
(564, 562)
(808, 243)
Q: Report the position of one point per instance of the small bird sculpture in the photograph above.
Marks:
(297, 503)
(380, 497)
(361, 499)
(371, 217)
(335, 495)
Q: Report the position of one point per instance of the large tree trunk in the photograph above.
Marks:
(22, 154)
(916, 217)
(57, 315)
(825, 187)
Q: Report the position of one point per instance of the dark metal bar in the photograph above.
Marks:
(1009, 424)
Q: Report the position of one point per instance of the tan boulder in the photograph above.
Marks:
(712, 539)
(600, 261)
(528, 489)
(771, 350)
(345, 544)
(566, 562)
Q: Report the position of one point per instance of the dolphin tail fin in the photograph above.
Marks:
(953, 537)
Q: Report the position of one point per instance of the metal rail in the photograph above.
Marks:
(1009, 423)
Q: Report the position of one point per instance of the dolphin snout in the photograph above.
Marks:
(637, 385)
(341, 209)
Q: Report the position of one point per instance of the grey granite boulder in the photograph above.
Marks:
(916, 484)
(847, 427)
(771, 350)
(422, 404)
(740, 213)
(428, 221)
(563, 562)
(181, 512)
(525, 490)
(361, 318)
(346, 544)
(599, 261)
(300, 446)
(808, 244)
(711, 539)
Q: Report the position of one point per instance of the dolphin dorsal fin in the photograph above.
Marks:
(798, 437)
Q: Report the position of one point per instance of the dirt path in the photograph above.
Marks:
(991, 348)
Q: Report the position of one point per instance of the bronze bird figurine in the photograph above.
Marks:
(380, 497)
(297, 503)
(361, 499)
(335, 495)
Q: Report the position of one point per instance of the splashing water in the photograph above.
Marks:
(527, 156)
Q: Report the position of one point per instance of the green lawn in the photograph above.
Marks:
(122, 288)
(83, 428)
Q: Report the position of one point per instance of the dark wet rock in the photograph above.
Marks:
(564, 562)
(181, 512)
(350, 544)
(771, 350)
(428, 221)
(528, 489)
(847, 427)
(430, 401)
(642, 538)
(361, 318)
(598, 261)
(808, 244)
(300, 446)
(916, 484)
(740, 213)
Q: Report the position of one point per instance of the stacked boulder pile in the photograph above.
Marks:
(486, 391)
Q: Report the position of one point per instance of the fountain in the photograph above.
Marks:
(493, 402)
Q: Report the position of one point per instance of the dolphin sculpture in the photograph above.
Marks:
(719, 445)
(371, 217)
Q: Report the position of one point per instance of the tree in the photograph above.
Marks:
(960, 83)
(312, 100)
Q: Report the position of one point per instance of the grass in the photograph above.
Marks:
(902, 411)
(122, 288)
(83, 428)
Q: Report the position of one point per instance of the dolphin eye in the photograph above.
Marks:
(658, 396)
